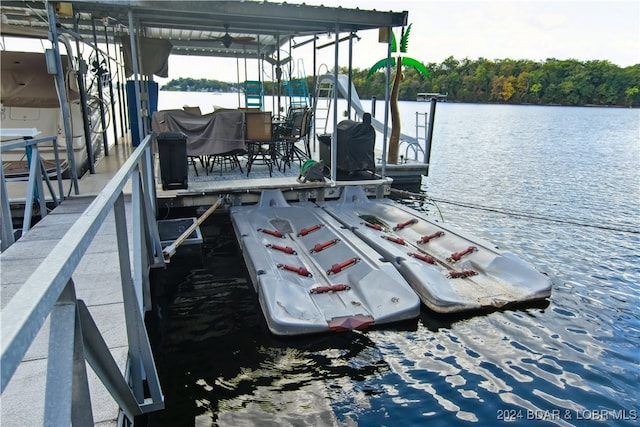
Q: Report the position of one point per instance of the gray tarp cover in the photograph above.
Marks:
(220, 132)
(154, 56)
(26, 83)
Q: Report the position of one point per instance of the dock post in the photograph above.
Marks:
(432, 116)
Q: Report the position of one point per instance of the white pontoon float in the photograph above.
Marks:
(451, 271)
(311, 275)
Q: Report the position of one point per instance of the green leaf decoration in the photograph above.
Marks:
(404, 42)
(380, 64)
(409, 62)
(394, 43)
(414, 63)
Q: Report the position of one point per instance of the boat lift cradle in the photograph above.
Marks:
(451, 271)
(311, 275)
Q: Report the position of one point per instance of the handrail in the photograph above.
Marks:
(37, 171)
(74, 336)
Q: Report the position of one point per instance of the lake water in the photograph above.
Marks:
(559, 186)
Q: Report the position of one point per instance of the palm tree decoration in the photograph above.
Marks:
(394, 140)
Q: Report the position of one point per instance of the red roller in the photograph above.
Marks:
(426, 258)
(322, 246)
(461, 274)
(396, 240)
(374, 226)
(274, 233)
(331, 288)
(306, 231)
(404, 224)
(285, 249)
(457, 255)
(300, 270)
(337, 268)
(427, 239)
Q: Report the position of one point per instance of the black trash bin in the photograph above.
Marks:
(172, 147)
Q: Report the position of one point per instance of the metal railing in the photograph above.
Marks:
(74, 336)
(35, 190)
(416, 146)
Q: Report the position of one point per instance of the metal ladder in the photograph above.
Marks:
(253, 94)
(324, 101)
(297, 88)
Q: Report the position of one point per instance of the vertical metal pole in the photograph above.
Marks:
(130, 298)
(67, 398)
(111, 97)
(350, 75)
(149, 177)
(122, 95)
(62, 93)
(238, 80)
(8, 238)
(56, 156)
(427, 148)
(82, 69)
(334, 136)
(315, 88)
(105, 142)
(278, 72)
(134, 62)
(140, 354)
(138, 237)
(386, 106)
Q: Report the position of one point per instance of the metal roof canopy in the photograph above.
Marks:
(263, 27)
(198, 27)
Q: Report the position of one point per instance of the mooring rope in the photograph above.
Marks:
(608, 226)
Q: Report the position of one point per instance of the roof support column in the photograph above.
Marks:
(112, 100)
(62, 95)
(334, 136)
(350, 75)
(103, 121)
(82, 71)
(134, 61)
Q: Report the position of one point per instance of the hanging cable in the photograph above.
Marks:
(610, 227)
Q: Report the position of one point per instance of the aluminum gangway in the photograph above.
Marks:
(75, 288)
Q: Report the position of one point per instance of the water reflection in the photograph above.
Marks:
(575, 353)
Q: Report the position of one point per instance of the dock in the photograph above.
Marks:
(76, 284)
(97, 283)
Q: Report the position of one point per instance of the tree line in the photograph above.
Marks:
(508, 81)
(188, 84)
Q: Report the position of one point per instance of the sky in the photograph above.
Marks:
(492, 29)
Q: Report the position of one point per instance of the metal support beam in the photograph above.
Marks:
(101, 361)
(334, 136)
(103, 121)
(8, 237)
(62, 94)
(114, 124)
(82, 68)
(67, 397)
(136, 73)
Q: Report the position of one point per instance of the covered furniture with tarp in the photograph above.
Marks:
(215, 136)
